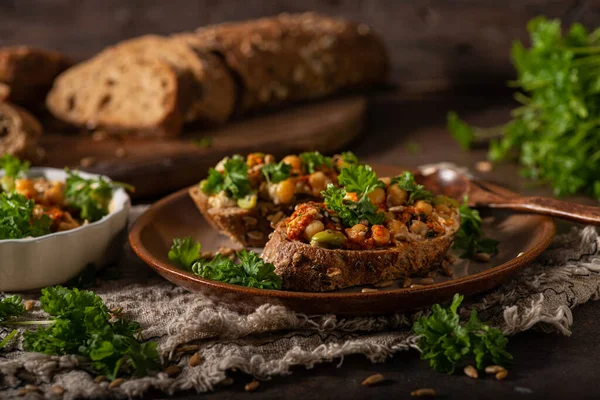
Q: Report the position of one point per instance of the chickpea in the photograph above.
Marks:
(294, 161)
(314, 227)
(357, 233)
(255, 159)
(423, 207)
(25, 187)
(443, 209)
(318, 181)
(269, 159)
(386, 180)
(377, 196)
(419, 228)
(54, 195)
(284, 194)
(396, 227)
(380, 235)
(396, 196)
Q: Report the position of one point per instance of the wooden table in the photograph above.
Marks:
(546, 365)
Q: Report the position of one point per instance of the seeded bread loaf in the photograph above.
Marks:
(207, 90)
(19, 132)
(295, 57)
(120, 92)
(26, 74)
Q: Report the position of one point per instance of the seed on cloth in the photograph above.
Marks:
(373, 380)
(172, 370)
(226, 382)
(252, 386)
(194, 360)
(57, 390)
(501, 375)
(100, 378)
(29, 305)
(116, 383)
(494, 369)
(369, 290)
(32, 388)
(471, 372)
(425, 392)
(482, 257)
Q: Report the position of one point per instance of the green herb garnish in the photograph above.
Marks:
(315, 161)
(348, 159)
(90, 197)
(407, 182)
(351, 212)
(470, 237)
(13, 169)
(358, 179)
(555, 130)
(448, 345)
(16, 218)
(251, 270)
(276, 173)
(233, 181)
(81, 324)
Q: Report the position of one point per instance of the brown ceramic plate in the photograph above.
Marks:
(522, 238)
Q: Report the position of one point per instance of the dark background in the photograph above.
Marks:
(434, 44)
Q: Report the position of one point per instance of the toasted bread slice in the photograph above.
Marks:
(19, 132)
(303, 267)
(119, 92)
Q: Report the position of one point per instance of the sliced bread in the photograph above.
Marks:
(119, 92)
(29, 73)
(19, 132)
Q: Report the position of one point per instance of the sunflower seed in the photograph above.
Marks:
(116, 383)
(425, 392)
(195, 360)
(373, 380)
(471, 372)
(368, 290)
(57, 390)
(172, 370)
(100, 378)
(501, 375)
(29, 305)
(482, 257)
(494, 369)
(252, 386)
(226, 382)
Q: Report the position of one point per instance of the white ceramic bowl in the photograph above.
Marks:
(34, 263)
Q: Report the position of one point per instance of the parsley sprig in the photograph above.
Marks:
(11, 307)
(359, 179)
(406, 181)
(555, 130)
(447, 344)
(276, 173)
(315, 161)
(13, 168)
(250, 271)
(233, 181)
(81, 324)
(16, 218)
(470, 238)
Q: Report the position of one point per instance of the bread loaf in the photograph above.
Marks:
(295, 57)
(19, 132)
(26, 74)
(119, 92)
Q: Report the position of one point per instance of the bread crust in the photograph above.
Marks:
(19, 132)
(29, 73)
(313, 269)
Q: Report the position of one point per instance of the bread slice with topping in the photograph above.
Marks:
(19, 132)
(119, 92)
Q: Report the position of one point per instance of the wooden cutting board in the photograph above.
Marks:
(155, 167)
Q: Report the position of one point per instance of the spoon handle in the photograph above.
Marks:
(555, 208)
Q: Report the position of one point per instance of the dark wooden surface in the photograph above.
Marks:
(547, 366)
(433, 42)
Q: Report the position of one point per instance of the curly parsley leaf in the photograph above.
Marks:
(13, 169)
(407, 182)
(554, 132)
(250, 271)
(11, 307)
(348, 211)
(17, 220)
(315, 161)
(470, 238)
(83, 325)
(90, 196)
(358, 179)
(185, 252)
(276, 173)
(234, 179)
(447, 344)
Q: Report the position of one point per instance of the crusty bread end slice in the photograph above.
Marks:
(19, 132)
(120, 93)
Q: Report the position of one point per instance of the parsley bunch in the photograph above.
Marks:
(13, 169)
(11, 307)
(470, 237)
(407, 182)
(447, 344)
(233, 181)
(84, 326)
(16, 218)
(251, 270)
(359, 179)
(315, 161)
(555, 131)
(90, 197)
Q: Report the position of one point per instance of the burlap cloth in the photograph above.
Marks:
(272, 339)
